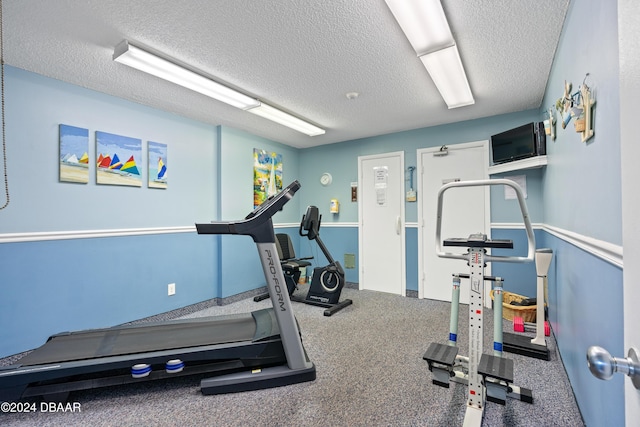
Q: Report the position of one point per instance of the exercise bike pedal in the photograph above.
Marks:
(441, 359)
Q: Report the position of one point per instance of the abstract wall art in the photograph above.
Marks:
(267, 175)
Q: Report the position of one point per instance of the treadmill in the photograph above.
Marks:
(253, 351)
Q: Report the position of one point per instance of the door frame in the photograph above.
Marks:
(421, 222)
(403, 257)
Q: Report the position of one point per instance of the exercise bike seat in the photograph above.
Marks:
(287, 253)
(291, 266)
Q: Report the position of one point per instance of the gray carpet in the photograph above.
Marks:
(370, 372)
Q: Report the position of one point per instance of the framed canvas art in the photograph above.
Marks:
(74, 157)
(111, 168)
(157, 165)
(267, 175)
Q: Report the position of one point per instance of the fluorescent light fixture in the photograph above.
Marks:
(286, 119)
(447, 72)
(425, 26)
(142, 60)
(133, 56)
(130, 55)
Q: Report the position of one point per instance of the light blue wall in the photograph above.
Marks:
(581, 185)
(518, 278)
(240, 268)
(236, 174)
(581, 194)
(36, 105)
(102, 281)
(579, 191)
(66, 285)
(91, 282)
(508, 211)
(585, 309)
(341, 160)
(71, 284)
(339, 241)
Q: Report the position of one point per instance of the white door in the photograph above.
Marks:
(381, 236)
(628, 17)
(465, 211)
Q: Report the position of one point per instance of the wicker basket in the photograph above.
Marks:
(528, 312)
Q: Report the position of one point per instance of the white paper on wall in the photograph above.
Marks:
(380, 176)
(509, 192)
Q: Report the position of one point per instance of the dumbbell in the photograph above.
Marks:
(520, 325)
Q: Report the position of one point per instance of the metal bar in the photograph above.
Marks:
(453, 322)
(289, 333)
(475, 397)
(489, 258)
(486, 278)
(497, 318)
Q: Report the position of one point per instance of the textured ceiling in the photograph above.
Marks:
(300, 56)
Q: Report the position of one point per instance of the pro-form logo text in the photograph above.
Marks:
(274, 278)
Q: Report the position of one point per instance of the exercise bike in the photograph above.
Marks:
(326, 282)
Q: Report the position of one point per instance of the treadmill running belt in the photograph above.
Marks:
(123, 340)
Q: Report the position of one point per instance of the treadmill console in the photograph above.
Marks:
(258, 223)
(275, 202)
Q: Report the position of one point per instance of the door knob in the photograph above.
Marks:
(602, 365)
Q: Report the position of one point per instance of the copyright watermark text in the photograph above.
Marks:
(53, 407)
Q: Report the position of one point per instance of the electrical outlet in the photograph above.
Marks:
(171, 289)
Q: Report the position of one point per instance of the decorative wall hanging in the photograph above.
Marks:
(74, 157)
(111, 170)
(564, 104)
(411, 194)
(550, 124)
(579, 105)
(584, 123)
(267, 175)
(157, 165)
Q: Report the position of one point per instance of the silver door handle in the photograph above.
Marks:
(398, 225)
(602, 365)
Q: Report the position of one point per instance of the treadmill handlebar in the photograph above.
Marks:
(258, 223)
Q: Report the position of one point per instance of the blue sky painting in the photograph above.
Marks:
(157, 165)
(74, 156)
(119, 159)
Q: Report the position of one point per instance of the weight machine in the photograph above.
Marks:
(488, 377)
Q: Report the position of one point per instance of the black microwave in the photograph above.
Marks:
(519, 143)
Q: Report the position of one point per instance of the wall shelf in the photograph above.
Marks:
(529, 163)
